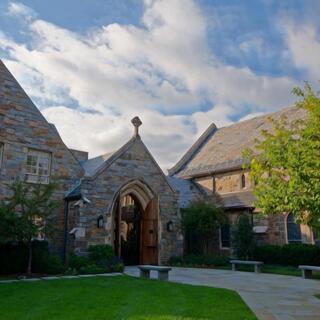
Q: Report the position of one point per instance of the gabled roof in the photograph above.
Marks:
(93, 167)
(242, 199)
(222, 150)
(188, 191)
(94, 164)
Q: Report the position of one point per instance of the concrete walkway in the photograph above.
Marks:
(271, 297)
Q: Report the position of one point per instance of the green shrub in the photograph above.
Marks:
(91, 269)
(199, 260)
(119, 267)
(14, 258)
(71, 272)
(76, 262)
(100, 252)
(242, 238)
(289, 254)
(54, 265)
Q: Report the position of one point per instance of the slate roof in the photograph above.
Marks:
(188, 191)
(93, 165)
(222, 149)
(244, 199)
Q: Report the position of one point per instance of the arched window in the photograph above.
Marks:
(225, 236)
(293, 230)
(243, 181)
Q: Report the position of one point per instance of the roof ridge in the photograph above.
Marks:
(269, 114)
(193, 149)
(113, 156)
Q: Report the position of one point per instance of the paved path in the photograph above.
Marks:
(271, 297)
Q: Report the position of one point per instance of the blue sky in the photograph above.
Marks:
(91, 65)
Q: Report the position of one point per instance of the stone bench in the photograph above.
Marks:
(163, 272)
(307, 271)
(257, 264)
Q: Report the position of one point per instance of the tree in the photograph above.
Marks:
(242, 238)
(26, 214)
(285, 164)
(203, 219)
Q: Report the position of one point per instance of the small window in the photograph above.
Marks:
(225, 233)
(293, 230)
(38, 167)
(243, 181)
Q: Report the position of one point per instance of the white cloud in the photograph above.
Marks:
(162, 71)
(20, 10)
(304, 45)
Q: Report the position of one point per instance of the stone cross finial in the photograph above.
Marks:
(136, 123)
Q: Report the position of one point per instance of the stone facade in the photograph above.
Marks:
(134, 163)
(88, 189)
(23, 128)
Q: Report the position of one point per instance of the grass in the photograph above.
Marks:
(119, 297)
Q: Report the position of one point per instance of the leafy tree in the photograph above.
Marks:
(285, 164)
(26, 214)
(242, 238)
(203, 219)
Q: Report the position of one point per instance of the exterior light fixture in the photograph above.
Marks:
(170, 226)
(100, 222)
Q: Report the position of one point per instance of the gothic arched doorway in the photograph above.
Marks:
(136, 224)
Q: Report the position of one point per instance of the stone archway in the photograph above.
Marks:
(136, 223)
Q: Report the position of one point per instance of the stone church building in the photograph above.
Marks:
(123, 198)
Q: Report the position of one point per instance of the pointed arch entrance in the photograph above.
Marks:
(136, 221)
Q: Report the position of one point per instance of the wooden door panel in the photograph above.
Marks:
(149, 234)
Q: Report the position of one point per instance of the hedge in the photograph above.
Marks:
(288, 255)
(14, 258)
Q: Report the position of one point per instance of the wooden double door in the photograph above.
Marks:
(149, 234)
(136, 233)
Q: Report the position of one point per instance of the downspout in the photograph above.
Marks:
(65, 232)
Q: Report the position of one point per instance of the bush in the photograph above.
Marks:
(289, 254)
(101, 259)
(54, 265)
(91, 269)
(199, 261)
(76, 262)
(100, 252)
(14, 258)
(242, 238)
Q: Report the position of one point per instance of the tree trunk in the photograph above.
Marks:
(29, 270)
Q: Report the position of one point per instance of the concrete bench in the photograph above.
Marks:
(307, 271)
(163, 272)
(257, 264)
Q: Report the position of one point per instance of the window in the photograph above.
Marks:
(225, 236)
(243, 181)
(293, 230)
(38, 167)
(1, 153)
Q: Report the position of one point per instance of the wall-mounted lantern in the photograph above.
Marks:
(100, 222)
(170, 226)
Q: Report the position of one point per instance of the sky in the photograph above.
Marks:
(90, 66)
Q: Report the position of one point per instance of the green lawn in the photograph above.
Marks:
(119, 297)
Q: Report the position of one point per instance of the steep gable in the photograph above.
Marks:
(133, 159)
(22, 126)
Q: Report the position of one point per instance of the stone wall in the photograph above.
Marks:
(134, 163)
(23, 127)
(231, 182)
